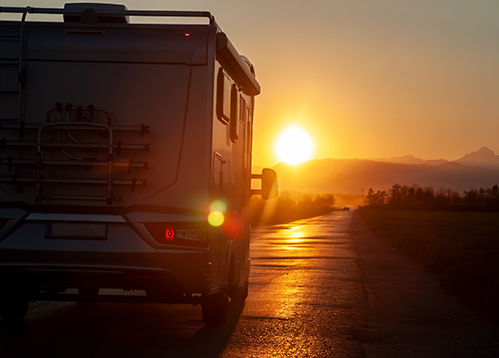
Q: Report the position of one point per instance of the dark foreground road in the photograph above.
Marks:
(408, 314)
(321, 287)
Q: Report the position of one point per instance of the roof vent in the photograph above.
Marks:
(89, 13)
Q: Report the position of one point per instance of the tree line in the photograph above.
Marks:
(415, 197)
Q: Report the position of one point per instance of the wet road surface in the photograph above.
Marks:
(306, 295)
(320, 287)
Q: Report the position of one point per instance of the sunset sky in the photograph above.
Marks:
(364, 78)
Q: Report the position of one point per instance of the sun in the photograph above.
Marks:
(294, 145)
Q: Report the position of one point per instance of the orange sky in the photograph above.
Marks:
(365, 78)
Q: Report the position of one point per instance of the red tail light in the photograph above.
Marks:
(181, 234)
(169, 233)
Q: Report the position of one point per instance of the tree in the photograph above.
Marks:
(395, 195)
(371, 197)
(375, 199)
(471, 197)
(325, 200)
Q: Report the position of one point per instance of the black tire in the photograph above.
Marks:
(215, 307)
(239, 293)
(13, 306)
(88, 293)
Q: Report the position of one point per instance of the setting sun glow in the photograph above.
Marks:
(294, 145)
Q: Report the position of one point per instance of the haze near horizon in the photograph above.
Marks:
(365, 79)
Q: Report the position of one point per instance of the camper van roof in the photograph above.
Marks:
(98, 13)
(107, 10)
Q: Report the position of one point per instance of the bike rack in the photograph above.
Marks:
(52, 145)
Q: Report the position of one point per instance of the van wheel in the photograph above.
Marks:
(13, 306)
(239, 293)
(214, 308)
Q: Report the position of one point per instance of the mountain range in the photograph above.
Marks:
(356, 176)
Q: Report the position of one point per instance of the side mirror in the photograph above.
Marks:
(269, 187)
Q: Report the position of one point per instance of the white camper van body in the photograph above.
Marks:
(117, 142)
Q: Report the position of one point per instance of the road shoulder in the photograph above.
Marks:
(407, 313)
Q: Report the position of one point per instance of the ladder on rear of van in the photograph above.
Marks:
(73, 149)
(12, 72)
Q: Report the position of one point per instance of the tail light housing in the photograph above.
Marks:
(179, 234)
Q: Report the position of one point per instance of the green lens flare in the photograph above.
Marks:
(217, 205)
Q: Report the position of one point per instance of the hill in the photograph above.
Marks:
(482, 158)
(474, 170)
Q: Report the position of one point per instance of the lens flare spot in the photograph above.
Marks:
(217, 205)
(216, 218)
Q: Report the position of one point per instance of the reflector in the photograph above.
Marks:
(169, 233)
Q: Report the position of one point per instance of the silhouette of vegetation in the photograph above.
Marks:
(289, 206)
(415, 197)
(342, 200)
(460, 247)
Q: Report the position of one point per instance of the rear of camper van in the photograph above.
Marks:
(125, 159)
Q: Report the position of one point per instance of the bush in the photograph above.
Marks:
(288, 207)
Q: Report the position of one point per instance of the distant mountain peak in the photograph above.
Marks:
(483, 157)
(482, 153)
(485, 151)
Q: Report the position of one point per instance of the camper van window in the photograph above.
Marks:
(223, 97)
(242, 110)
(248, 139)
(234, 114)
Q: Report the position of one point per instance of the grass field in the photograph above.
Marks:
(461, 247)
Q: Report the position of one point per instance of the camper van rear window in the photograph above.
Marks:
(223, 97)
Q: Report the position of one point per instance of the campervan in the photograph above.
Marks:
(125, 159)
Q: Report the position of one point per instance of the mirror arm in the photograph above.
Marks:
(256, 191)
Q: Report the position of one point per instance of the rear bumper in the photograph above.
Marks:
(166, 277)
(50, 283)
(127, 257)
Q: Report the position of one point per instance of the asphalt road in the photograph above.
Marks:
(320, 287)
(306, 295)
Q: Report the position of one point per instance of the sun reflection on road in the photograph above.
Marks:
(294, 236)
(299, 231)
